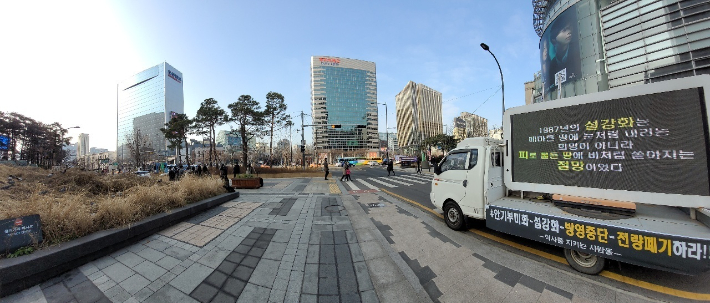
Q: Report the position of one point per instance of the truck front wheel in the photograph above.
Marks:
(453, 216)
(584, 262)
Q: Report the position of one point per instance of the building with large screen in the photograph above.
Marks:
(145, 103)
(343, 104)
(589, 46)
(419, 114)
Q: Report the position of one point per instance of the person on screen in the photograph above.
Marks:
(564, 49)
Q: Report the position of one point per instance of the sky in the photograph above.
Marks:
(61, 60)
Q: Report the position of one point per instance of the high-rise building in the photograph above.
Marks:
(589, 46)
(469, 125)
(225, 138)
(418, 114)
(82, 147)
(146, 102)
(343, 103)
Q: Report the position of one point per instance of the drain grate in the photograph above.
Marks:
(375, 205)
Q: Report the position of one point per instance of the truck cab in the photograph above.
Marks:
(467, 179)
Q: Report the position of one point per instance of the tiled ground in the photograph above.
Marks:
(212, 226)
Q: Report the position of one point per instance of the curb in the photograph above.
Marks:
(19, 273)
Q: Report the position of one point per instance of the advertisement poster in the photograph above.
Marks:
(559, 51)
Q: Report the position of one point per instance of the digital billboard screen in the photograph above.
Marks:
(655, 143)
(559, 50)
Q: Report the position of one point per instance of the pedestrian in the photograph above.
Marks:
(223, 172)
(205, 170)
(419, 165)
(345, 169)
(199, 170)
(347, 174)
(171, 174)
(325, 167)
(236, 169)
(390, 168)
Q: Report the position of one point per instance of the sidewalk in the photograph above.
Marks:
(300, 240)
(292, 240)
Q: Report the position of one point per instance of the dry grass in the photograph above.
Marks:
(77, 203)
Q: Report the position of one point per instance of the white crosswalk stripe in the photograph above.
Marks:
(366, 183)
(352, 185)
(382, 182)
(409, 179)
(395, 181)
(421, 177)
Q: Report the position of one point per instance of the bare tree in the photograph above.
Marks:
(139, 147)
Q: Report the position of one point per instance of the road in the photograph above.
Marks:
(415, 188)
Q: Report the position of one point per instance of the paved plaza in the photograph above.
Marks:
(312, 240)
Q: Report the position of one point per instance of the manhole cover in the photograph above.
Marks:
(375, 205)
(333, 208)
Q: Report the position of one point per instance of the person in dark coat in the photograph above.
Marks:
(419, 165)
(223, 172)
(199, 170)
(236, 169)
(325, 167)
(171, 174)
(390, 167)
(205, 170)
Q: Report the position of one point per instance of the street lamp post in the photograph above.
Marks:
(387, 135)
(502, 84)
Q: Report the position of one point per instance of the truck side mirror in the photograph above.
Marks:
(437, 169)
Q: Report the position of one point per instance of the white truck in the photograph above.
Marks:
(621, 175)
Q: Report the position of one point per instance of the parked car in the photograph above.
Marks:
(373, 163)
(143, 173)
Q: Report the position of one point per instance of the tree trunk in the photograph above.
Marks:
(271, 141)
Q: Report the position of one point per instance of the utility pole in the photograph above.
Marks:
(303, 142)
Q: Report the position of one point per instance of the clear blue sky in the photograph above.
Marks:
(61, 60)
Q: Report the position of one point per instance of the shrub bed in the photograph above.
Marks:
(76, 203)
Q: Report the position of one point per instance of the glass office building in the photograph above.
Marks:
(343, 94)
(145, 103)
(588, 46)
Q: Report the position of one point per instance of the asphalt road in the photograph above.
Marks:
(634, 275)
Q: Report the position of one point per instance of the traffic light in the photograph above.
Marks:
(303, 148)
(335, 126)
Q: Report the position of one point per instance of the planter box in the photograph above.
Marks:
(245, 183)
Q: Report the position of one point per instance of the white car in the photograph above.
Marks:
(143, 173)
(374, 163)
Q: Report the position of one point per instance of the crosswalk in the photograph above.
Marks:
(374, 183)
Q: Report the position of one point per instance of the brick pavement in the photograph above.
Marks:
(301, 240)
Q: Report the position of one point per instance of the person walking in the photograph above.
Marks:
(171, 174)
(345, 169)
(236, 169)
(205, 170)
(199, 170)
(325, 167)
(390, 167)
(347, 174)
(223, 172)
(419, 165)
